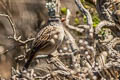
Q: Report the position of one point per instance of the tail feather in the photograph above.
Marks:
(27, 64)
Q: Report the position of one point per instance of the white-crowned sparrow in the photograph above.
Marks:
(47, 40)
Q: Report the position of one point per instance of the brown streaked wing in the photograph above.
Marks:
(43, 37)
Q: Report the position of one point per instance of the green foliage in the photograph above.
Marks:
(82, 1)
(77, 21)
(102, 32)
(95, 17)
(87, 6)
(64, 11)
(96, 20)
(84, 19)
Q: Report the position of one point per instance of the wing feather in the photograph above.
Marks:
(43, 37)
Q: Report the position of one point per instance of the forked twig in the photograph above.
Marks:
(80, 29)
(11, 23)
(14, 34)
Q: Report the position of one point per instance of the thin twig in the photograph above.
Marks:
(70, 26)
(85, 12)
(11, 22)
(103, 24)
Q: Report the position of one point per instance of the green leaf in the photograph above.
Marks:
(77, 21)
(64, 11)
(82, 1)
(84, 19)
(102, 32)
(96, 20)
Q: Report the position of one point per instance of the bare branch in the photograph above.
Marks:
(14, 31)
(85, 12)
(73, 45)
(20, 41)
(88, 16)
(103, 24)
(70, 26)
(116, 41)
(6, 9)
(103, 10)
(11, 22)
(61, 54)
(58, 7)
